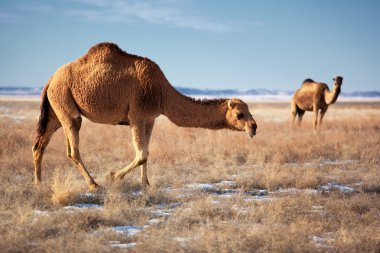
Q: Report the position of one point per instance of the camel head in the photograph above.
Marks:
(239, 118)
(338, 80)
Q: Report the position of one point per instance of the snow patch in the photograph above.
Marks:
(318, 209)
(117, 244)
(323, 163)
(202, 187)
(335, 186)
(258, 198)
(137, 193)
(295, 191)
(338, 162)
(128, 230)
(41, 213)
(321, 241)
(160, 213)
(182, 240)
(84, 206)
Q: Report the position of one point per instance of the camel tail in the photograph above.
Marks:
(44, 116)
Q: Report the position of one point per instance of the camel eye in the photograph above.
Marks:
(240, 116)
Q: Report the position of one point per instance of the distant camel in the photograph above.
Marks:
(313, 96)
(110, 86)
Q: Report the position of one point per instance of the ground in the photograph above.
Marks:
(211, 191)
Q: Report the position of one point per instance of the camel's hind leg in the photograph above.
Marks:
(144, 175)
(323, 111)
(68, 114)
(300, 116)
(41, 143)
(72, 134)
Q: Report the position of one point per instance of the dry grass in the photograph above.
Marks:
(299, 173)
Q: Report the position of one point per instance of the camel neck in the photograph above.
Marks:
(332, 96)
(185, 111)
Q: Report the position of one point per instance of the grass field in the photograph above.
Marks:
(211, 191)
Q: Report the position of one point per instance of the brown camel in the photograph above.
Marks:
(110, 86)
(313, 96)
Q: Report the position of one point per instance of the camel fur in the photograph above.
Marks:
(110, 86)
(315, 97)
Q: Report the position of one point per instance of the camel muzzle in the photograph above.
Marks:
(251, 130)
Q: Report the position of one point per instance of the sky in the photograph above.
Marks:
(214, 44)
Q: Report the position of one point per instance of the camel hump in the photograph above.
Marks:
(308, 80)
(105, 47)
(107, 50)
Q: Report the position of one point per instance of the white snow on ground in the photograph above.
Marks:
(258, 198)
(322, 240)
(165, 210)
(227, 183)
(317, 209)
(117, 244)
(182, 240)
(202, 187)
(90, 195)
(129, 230)
(169, 206)
(41, 213)
(215, 202)
(160, 213)
(295, 191)
(84, 206)
(319, 240)
(336, 186)
(137, 193)
(323, 163)
(227, 189)
(325, 188)
(338, 162)
(217, 192)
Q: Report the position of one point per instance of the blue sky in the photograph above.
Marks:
(201, 44)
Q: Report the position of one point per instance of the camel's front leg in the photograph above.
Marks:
(139, 143)
(148, 131)
(293, 114)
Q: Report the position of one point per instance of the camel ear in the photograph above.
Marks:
(231, 104)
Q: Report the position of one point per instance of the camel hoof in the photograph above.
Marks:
(94, 187)
(37, 185)
(111, 177)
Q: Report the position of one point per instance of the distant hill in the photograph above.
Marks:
(265, 92)
(29, 91)
(20, 91)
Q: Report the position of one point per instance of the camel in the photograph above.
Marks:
(313, 96)
(110, 86)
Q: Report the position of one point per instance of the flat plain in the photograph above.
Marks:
(285, 190)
